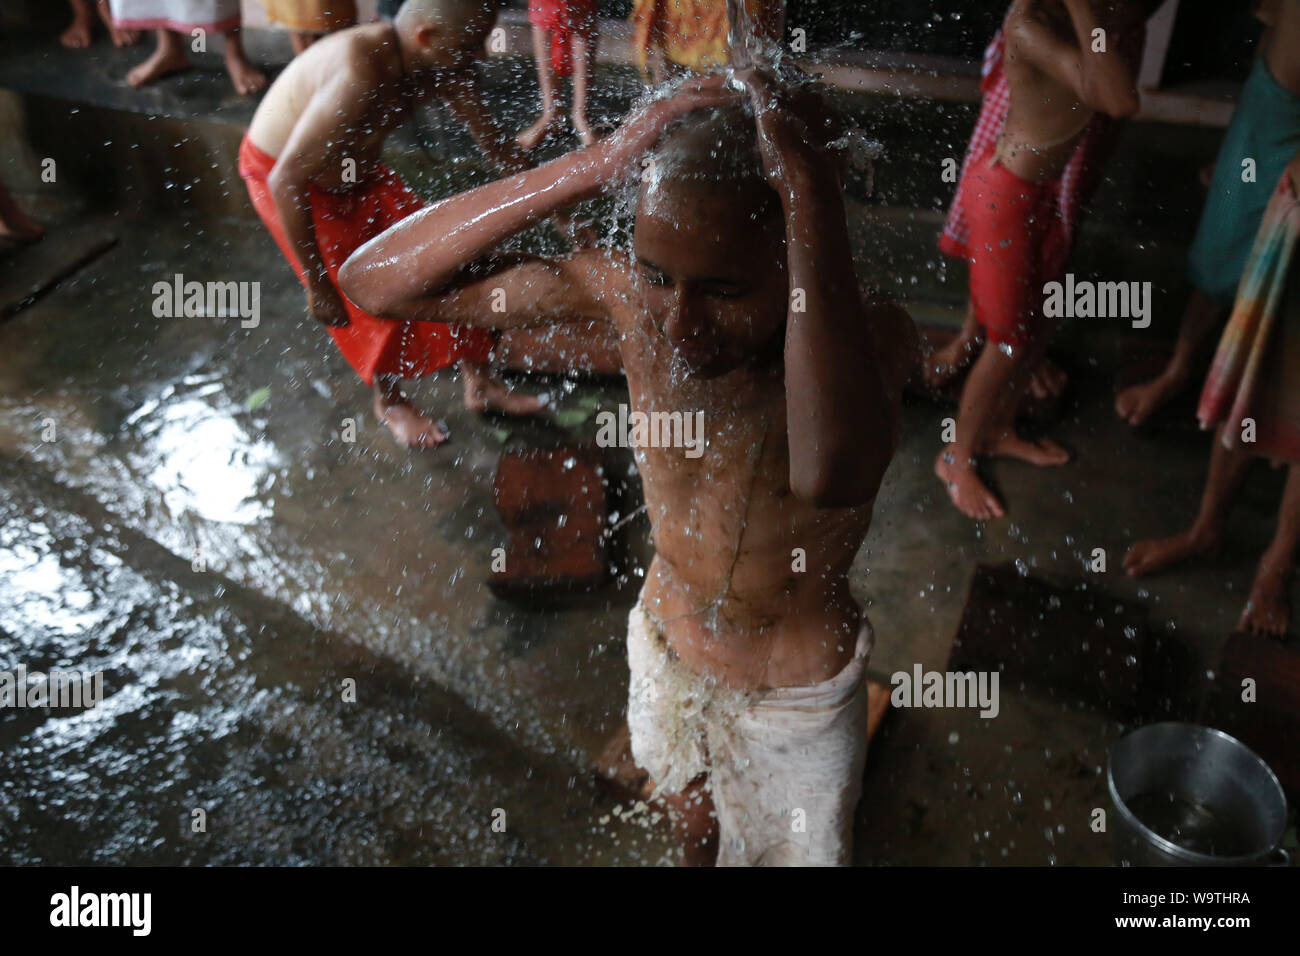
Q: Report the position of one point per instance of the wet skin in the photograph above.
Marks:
(701, 307)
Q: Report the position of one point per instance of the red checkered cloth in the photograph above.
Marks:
(1078, 180)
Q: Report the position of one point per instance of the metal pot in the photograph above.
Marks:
(1187, 795)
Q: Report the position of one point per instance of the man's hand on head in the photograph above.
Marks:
(622, 150)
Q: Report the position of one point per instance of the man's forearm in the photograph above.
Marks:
(426, 251)
(292, 207)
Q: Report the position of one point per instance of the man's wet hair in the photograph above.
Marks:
(714, 151)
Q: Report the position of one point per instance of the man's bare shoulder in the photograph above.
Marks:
(364, 56)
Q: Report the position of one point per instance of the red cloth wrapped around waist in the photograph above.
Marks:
(345, 221)
(1017, 243)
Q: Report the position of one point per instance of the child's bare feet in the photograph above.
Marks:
(246, 78)
(1039, 451)
(168, 57)
(968, 493)
(1137, 403)
(1156, 554)
(948, 361)
(1048, 380)
(1268, 609)
(546, 127)
(119, 36)
(77, 35)
(408, 426)
(484, 393)
(616, 768)
(18, 227)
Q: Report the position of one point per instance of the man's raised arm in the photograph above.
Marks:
(424, 253)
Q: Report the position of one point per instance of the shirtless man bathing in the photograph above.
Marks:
(1018, 241)
(311, 161)
(747, 694)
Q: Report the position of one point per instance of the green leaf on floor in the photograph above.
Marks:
(258, 398)
(572, 417)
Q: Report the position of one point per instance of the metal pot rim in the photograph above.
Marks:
(1173, 849)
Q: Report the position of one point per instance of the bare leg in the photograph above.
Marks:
(407, 425)
(696, 825)
(1201, 319)
(1000, 438)
(246, 77)
(983, 426)
(300, 40)
(77, 35)
(14, 223)
(584, 54)
(484, 393)
(1227, 468)
(1268, 609)
(532, 137)
(947, 361)
(168, 57)
(119, 36)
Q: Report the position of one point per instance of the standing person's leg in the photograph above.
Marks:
(1000, 439)
(1227, 469)
(300, 40)
(584, 59)
(993, 376)
(169, 56)
(955, 354)
(1268, 609)
(246, 77)
(119, 36)
(1201, 319)
(547, 124)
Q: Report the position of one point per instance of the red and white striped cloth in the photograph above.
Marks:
(1077, 181)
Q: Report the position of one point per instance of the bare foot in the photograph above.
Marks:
(1039, 451)
(484, 393)
(77, 36)
(616, 769)
(968, 493)
(1156, 554)
(948, 361)
(408, 426)
(1048, 380)
(546, 127)
(1268, 609)
(19, 227)
(246, 78)
(164, 61)
(1137, 403)
(120, 37)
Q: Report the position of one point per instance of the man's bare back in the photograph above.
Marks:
(357, 67)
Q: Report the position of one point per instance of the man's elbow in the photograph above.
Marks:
(368, 296)
(846, 483)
